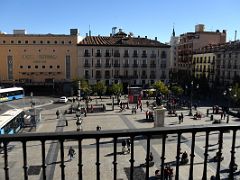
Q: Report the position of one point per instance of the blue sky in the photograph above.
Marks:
(152, 18)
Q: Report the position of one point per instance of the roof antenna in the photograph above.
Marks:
(89, 30)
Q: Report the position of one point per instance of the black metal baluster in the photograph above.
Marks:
(6, 168)
(80, 165)
(25, 167)
(147, 157)
(62, 160)
(163, 155)
(219, 154)
(205, 156)
(115, 158)
(178, 155)
(132, 158)
(43, 160)
(192, 155)
(98, 159)
(232, 162)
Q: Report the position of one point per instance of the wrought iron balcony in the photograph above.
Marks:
(152, 65)
(107, 65)
(86, 65)
(86, 54)
(135, 55)
(98, 54)
(144, 65)
(126, 65)
(135, 65)
(98, 65)
(147, 136)
(153, 56)
(144, 55)
(116, 65)
(116, 54)
(107, 55)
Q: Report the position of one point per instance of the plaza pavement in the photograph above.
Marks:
(110, 120)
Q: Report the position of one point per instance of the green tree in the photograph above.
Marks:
(161, 87)
(117, 89)
(177, 90)
(100, 88)
(235, 95)
(85, 88)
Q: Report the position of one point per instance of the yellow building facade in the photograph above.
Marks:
(37, 59)
(203, 64)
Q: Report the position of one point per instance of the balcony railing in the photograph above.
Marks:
(116, 54)
(86, 54)
(152, 65)
(116, 65)
(147, 136)
(135, 65)
(107, 55)
(144, 65)
(107, 65)
(87, 65)
(98, 65)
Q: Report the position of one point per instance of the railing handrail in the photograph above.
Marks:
(76, 135)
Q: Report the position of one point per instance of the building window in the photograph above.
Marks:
(9, 50)
(26, 42)
(41, 42)
(43, 67)
(163, 54)
(4, 41)
(51, 67)
(39, 50)
(58, 66)
(62, 42)
(36, 67)
(21, 67)
(29, 67)
(55, 42)
(12, 42)
(24, 50)
(34, 42)
(69, 42)
(48, 42)
(19, 42)
(53, 50)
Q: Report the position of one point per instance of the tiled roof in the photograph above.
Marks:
(120, 40)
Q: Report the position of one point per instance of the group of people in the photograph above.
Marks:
(167, 173)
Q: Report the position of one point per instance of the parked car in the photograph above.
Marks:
(63, 99)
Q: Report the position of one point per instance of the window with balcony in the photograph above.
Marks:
(108, 63)
(98, 75)
(144, 54)
(163, 54)
(86, 63)
(107, 74)
(98, 64)
(107, 54)
(86, 74)
(126, 53)
(126, 64)
(86, 53)
(116, 63)
(135, 53)
(116, 53)
(98, 54)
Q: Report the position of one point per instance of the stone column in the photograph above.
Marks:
(159, 113)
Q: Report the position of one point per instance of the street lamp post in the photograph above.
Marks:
(191, 97)
(191, 94)
(79, 119)
(227, 94)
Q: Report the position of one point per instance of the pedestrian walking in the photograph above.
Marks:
(141, 107)
(58, 114)
(147, 114)
(181, 116)
(128, 145)
(71, 153)
(180, 119)
(124, 147)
